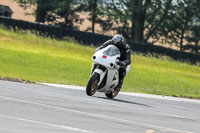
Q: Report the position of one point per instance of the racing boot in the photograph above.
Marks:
(122, 74)
(119, 86)
(121, 78)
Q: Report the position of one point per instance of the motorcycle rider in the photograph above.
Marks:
(124, 60)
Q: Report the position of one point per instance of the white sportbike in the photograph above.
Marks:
(105, 72)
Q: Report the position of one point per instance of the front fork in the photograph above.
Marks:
(100, 70)
(93, 68)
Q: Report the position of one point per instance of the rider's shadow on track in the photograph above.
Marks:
(123, 101)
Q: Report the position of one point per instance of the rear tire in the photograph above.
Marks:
(112, 94)
(92, 84)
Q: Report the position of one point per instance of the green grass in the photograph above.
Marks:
(35, 59)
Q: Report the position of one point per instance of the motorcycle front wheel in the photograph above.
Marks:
(92, 84)
(112, 94)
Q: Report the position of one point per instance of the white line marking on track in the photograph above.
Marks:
(100, 116)
(45, 124)
(91, 100)
(127, 93)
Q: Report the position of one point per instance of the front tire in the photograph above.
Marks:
(92, 84)
(112, 94)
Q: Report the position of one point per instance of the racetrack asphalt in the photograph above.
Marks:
(32, 108)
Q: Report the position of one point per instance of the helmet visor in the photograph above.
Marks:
(116, 39)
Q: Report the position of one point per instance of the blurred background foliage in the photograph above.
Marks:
(171, 22)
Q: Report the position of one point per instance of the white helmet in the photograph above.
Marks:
(119, 41)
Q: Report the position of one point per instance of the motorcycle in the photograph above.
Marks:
(104, 72)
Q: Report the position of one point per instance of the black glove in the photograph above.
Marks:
(120, 63)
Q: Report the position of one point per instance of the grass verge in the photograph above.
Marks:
(35, 59)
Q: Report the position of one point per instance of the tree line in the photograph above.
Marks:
(173, 22)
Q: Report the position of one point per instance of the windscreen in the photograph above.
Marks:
(112, 51)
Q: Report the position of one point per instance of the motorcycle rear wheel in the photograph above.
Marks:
(112, 94)
(92, 84)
